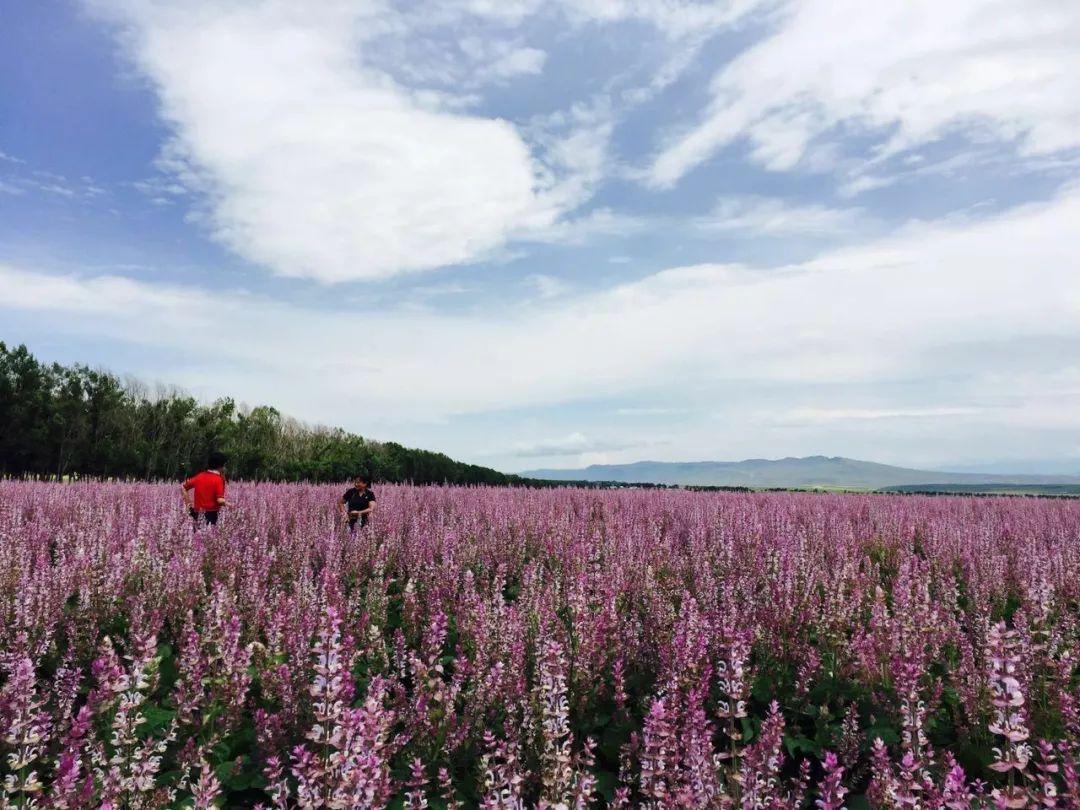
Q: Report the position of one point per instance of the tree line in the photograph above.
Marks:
(63, 420)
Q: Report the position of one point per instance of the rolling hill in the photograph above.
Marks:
(811, 471)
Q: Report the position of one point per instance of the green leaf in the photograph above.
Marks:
(157, 720)
(237, 775)
(797, 743)
(889, 735)
(606, 781)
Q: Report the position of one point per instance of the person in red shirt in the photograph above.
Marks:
(204, 493)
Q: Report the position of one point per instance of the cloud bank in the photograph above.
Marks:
(900, 307)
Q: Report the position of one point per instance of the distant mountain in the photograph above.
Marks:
(812, 471)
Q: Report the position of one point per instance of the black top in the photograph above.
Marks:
(358, 501)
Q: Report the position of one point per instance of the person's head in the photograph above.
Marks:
(216, 461)
(361, 482)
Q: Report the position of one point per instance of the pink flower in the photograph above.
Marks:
(831, 791)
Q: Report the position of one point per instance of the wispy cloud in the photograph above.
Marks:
(496, 60)
(649, 411)
(677, 18)
(778, 217)
(602, 222)
(548, 286)
(811, 416)
(160, 190)
(572, 445)
(1009, 73)
(26, 179)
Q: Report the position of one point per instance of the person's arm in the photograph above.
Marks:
(370, 508)
(187, 491)
(341, 506)
(221, 494)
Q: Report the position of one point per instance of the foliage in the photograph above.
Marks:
(63, 420)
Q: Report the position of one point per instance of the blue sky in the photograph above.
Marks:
(555, 233)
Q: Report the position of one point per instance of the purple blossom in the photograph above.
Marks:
(831, 791)
(536, 648)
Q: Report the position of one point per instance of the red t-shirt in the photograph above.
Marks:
(208, 486)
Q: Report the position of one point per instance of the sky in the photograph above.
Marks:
(549, 233)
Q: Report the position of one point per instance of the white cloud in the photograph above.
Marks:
(55, 188)
(906, 71)
(160, 190)
(314, 163)
(864, 182)
(547, 286)
(806, 416)
(676, 18)
(119, 299)
(575, 145)
(600, 222)
(572, 445)
(49, 183)
(652, 411)
(510, 12)
(499, 60)
(776, 217)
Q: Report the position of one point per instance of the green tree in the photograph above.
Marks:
(58, 420)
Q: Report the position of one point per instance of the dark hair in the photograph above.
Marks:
(362, 477)
(217, 461)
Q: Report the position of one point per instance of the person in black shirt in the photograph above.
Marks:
(357, 503)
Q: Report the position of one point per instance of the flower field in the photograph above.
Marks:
(527, 648)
